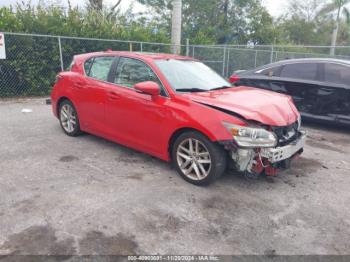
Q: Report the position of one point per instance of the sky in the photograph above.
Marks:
(275, 7)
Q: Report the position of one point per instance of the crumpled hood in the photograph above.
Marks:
(266, 107)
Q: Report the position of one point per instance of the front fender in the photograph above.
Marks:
(189, 115)
(208, 120)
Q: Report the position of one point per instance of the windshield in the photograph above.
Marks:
(190, 76)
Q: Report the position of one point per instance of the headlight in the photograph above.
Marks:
(251, 137)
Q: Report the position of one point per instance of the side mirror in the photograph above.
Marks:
(148, 87)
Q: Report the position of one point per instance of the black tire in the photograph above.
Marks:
(76, 129)
(218, 158)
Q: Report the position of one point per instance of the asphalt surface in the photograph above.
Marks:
(62, 195)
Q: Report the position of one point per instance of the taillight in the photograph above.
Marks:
(234, 79)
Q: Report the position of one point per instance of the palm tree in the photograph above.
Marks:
(338, 6)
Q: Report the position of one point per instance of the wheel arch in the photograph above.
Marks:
(179, 132)
(59, 101)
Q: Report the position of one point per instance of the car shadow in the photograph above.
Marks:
(229, 178)
(122, 152)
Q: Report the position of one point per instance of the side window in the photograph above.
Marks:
(273, 71)
(306, 71)
(132, 71)
(338, 74)
(100, 68)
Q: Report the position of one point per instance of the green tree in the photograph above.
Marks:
(304, 24)
(218, 21)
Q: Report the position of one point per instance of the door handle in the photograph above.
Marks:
(113, 95)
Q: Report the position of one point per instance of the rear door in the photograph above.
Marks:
(92, 95)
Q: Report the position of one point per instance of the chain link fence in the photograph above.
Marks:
(33, 61)
(227, 59)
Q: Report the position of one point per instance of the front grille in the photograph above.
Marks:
(286, 134)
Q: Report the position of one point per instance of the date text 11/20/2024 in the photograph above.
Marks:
(174, 258)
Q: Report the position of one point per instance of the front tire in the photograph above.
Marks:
(197, 159)
(69, 119)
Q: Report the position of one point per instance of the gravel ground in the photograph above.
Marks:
(85, 195)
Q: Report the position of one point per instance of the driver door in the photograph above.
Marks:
(135, 119)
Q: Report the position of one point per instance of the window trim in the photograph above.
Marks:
(320, 63)
(317, 72)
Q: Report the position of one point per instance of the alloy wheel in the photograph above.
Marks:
(68, 118)
(194, 159)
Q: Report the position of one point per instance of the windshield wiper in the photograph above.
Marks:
(221, 87)
(191, 90)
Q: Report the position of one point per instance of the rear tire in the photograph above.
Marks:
(197, 159)
(69, 119)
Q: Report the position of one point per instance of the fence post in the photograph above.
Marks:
(256, 57)
(141, 46)
(187, 47)
(223, 61)
(193, 51)
(228, 63)
(276, 56)
(272, 50)
(60, 50)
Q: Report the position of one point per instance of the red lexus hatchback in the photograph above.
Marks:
(179, 110)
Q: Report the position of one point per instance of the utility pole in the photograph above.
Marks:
(335, 33)
(176, 27)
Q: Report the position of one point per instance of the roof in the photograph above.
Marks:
(340, 61)
(140, 55)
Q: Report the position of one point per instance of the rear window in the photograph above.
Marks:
(338, 74)
(305, 71)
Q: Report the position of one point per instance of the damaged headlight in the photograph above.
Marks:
(251, 137)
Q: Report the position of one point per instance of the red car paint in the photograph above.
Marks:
(148, 123)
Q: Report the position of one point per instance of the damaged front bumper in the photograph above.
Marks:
(274, 155)
(255, 161)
